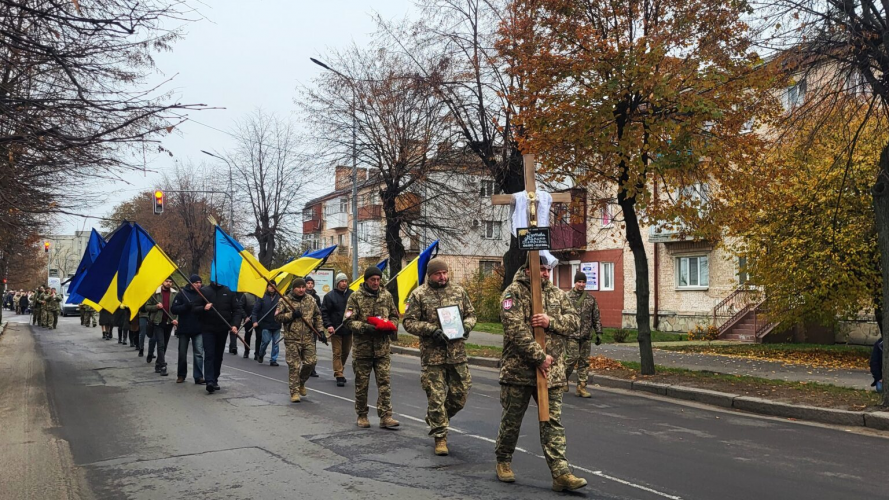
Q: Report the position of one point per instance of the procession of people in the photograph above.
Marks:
(362, 323)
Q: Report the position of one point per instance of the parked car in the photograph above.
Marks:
(69, 309)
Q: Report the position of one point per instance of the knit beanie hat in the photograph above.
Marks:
(372, 271)
(579, 276)
(298, 282)
(309, 278)
(341, 277)
(195, 278)
(435, 265)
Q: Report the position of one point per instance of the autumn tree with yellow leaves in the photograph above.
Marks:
(640, 95)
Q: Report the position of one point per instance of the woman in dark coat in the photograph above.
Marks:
(106, 321)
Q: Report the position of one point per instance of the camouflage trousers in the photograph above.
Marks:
(447, 387)
(90, 317)
(362, 368)
(36, 315)
(45, 318)
(514, 400)
(301, 360)
(577, 353)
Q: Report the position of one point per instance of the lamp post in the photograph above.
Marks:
(231, 193)
(354, 167)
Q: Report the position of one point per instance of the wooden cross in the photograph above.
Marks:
(534, 263)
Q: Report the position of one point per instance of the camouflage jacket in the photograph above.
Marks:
(39, 299)
(421, 319)
(361, 305)
(295, 329)
(521, 354)
(53, 303)
(588, 310)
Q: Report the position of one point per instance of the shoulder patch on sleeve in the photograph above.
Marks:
(507, 303)
(349, 313)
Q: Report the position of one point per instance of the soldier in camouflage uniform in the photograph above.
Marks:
(299, 340)
(578, 348)
(36, 305)
(445, 373)
(522, 357)
(90, 315)
(53, 309)
(372, 303)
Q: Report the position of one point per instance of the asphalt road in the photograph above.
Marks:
(134, 434)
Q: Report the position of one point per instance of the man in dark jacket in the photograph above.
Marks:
(219, 316)
(264, 323)
(332, 309)
(876, 365)
(311, 292)
(187, 306)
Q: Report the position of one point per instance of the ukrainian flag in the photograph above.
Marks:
(413, 275)
(93, 249)
(230, 269)
(305, 264)
(99, 284)
(355, 284)
(143, 267)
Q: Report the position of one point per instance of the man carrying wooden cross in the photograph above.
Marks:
(537, 317)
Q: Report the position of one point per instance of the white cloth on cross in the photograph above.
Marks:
(519, 216)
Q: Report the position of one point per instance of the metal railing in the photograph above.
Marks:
(761, 323)
(734, 306)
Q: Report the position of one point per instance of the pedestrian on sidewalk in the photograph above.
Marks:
(333, 307)
(444, 370)
(263, 318)
(371, 315)
(520, 360)
(187, 307)
(219, 317)
(162, 320)
(876, 365)
(298, 322)
(579, 342)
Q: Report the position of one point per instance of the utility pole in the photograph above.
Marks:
(231, 193)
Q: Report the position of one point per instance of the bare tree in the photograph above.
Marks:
(452, 48)
(271, 172)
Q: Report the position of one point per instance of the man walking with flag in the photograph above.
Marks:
(187, 306)
(445, 372)
(298, 322)
(266, 326)
(333, 307)
(371, 314)
(221, 311)
(162, 320)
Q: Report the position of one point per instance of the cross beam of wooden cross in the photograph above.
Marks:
(534, 264)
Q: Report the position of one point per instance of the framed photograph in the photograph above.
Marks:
(451, 322)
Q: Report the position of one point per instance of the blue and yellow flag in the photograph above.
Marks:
(355, 284)
(99, 284)
(413, 274)
(305, 264)
(93, 249)
(143, 267)
(230, 269)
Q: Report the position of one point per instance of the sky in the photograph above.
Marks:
(244, 55)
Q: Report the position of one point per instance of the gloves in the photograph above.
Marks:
(466, 332)
(297, 313)
(369, 329)
(383, 325)
(440, 337)
(598, 340)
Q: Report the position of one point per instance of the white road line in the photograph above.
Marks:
(485, 439)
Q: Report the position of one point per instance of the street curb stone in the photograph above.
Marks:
(873, 420)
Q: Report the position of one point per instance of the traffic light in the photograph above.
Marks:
(45, 247)
(158, 202)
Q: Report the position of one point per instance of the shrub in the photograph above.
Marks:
(710, 333)
(484, 292)
(620, 335)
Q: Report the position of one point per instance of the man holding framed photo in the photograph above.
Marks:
(441, 315)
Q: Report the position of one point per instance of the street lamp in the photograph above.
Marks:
(231, 193)
(354, 167)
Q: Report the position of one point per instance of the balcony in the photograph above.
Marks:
(370, 212)
(568, 236)
(311, 226)
(338, 220)
(664, 232)
(569, 223)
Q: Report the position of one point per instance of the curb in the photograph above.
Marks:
(471, 360)
(878, 420)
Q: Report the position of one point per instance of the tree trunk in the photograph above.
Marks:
(640, 262)
(881, 214)
(511, 179)
(266, 240)
(392, 236)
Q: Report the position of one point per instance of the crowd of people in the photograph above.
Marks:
(43, 304)
(363, 323)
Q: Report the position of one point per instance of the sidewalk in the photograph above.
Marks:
(857, 379)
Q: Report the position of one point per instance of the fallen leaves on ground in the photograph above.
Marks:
(851, 359)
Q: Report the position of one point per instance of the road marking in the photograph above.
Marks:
(485, 439)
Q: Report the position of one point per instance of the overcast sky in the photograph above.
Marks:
(244, 55)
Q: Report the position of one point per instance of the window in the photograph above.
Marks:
(339, 239)
(692, 272)
(742, 270)
(796, 95)
(344, 205)
(308, 214)
(487, 188)
(492, 230)
(607, 216)
(606, 277)
(487, 267)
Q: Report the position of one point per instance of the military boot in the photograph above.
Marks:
(568, 482)
(388, 422)
(363, 422)
(504, 472)
(581, 391)
(302, 390)
(294, 398)
(441, 446)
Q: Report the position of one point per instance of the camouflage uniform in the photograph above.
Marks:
(445, 374)
(299, 341)
(89, 315)
(518, 368)
(35, 307)
(53, 309)
(579, 342)
(370, 349)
